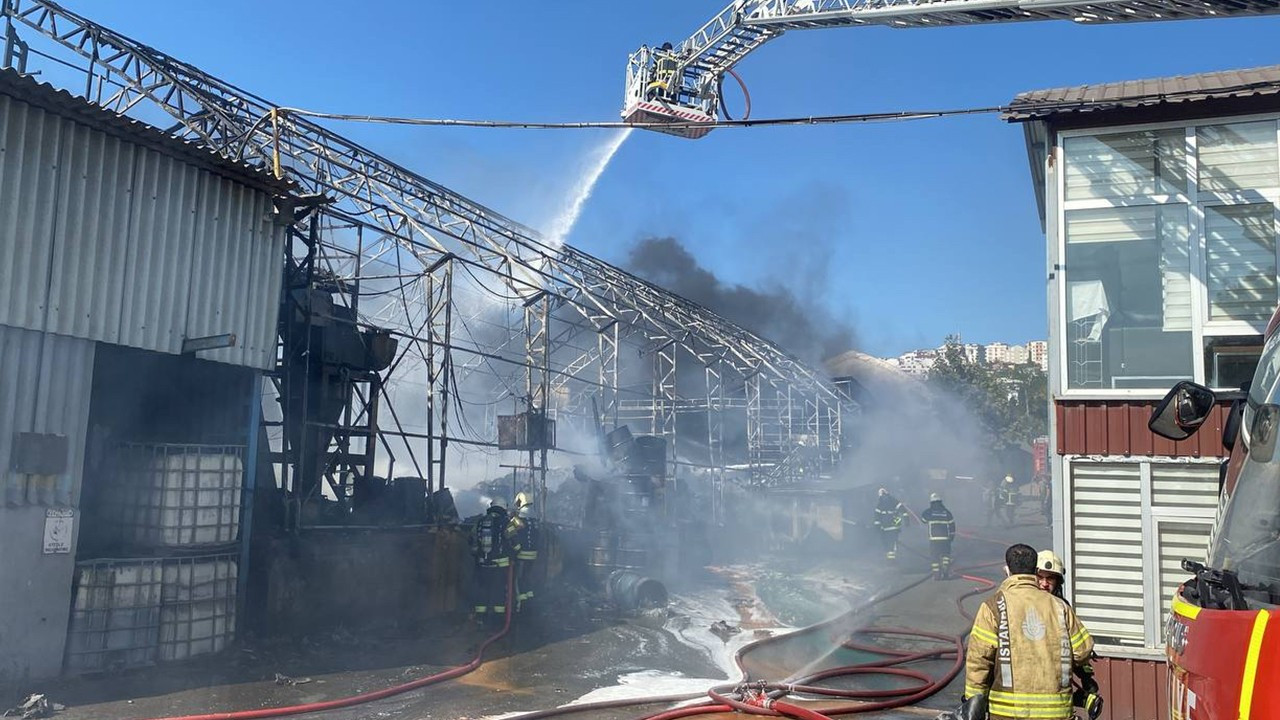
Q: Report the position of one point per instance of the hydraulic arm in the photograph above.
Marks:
(681, 84)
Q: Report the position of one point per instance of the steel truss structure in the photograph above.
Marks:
(486, 310)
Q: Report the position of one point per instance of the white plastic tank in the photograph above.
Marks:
(198, 608)
(115, 615)
(181, 495)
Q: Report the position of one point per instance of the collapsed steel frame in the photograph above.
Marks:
(427, 262)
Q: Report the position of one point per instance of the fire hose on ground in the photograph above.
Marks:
(764, 699)
(767, 698)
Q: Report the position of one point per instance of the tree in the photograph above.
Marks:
(1008, 403)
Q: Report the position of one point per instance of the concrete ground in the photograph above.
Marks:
(569, 650)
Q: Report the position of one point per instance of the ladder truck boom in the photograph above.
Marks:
(681, 84)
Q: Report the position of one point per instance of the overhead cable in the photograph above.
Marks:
(893, 116)
(619, 124)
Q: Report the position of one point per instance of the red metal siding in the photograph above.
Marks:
(1119, 427)
(1133, 689)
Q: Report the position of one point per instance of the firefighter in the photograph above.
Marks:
(664, 71)
(1007, 499)
(493, 561)
(1050, 576)
(942, 530)
(1022, 649)
(1050, 573)
(522, 539)
(890, 515)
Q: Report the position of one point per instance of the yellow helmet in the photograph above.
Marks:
(523, 500)
(1008, 479)
(1048, 561)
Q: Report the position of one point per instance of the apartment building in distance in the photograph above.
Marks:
(920, 362)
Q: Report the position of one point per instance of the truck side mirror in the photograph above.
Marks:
(1262, 433)
(1182, 411)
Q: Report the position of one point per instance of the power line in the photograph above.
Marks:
(618, 124)
(1031, 106)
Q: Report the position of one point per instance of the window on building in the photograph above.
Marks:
(1238, 156)
(1137, 207)
(1240, 245)
(1126, 164)
(1128, 297)
(1230, 361)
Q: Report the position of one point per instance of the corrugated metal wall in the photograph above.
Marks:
(120, 243)
(1133, 689)
(44, 388)
(1119, 427)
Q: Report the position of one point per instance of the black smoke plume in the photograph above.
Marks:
(804, 329)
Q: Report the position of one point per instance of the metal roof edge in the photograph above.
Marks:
(1181, 90)
(26, 89)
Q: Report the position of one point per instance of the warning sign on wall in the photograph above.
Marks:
(58, 524)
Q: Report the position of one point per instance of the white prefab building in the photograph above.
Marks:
(1159, 203)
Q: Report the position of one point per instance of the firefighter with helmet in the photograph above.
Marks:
(1007, 499)
(522, 538)
(942, 531)
(1022, 648)
(889, 517)
(493, 561)
(664, 71)
(1050, 573)
(1050, 576)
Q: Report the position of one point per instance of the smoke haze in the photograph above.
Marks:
(802, 328)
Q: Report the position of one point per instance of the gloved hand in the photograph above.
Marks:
(973, 707)
(1086, 696)
(1091, 701)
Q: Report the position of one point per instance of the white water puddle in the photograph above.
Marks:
(692, 614)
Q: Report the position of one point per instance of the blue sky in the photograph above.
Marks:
(924, 228)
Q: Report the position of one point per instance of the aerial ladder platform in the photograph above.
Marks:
(677, 89)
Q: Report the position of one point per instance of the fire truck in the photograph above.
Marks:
(1223, 636)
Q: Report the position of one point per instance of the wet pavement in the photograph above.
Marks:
(568, 651)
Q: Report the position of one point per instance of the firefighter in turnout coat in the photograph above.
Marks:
(1024, 646)
(942, 530)
(1007, 499)
(493, 561)
(890, 514)
(522, 539)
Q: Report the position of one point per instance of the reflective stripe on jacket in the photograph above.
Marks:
(889, 513)
(1007, 495)
(942, 524)
(1022, 649)
(522, 537)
